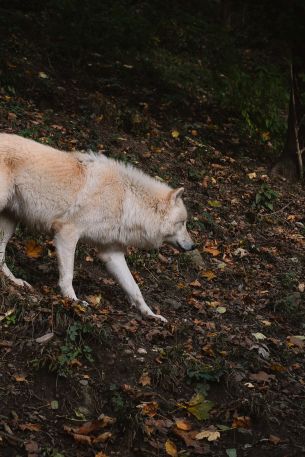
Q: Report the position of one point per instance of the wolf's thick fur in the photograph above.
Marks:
(89, 197)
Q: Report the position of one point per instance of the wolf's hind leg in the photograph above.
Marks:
(7, 228)
(118, 268)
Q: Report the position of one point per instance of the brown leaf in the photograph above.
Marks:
(32, 448)
(296, 341)
(82, 439)
(33, 249)
(30, 427)
(145, 379)
(19, 378)
(101, 454)
(148, 408)
(274, 439)
(102, 438)
(161, 425)
(171, 448)
(261, 376)
(195, 283)
(190, 440)
(212, 250)
(208, 274)
(183, 424)
(92, 426)
(241, 422)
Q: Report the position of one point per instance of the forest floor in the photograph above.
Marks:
(226, 375)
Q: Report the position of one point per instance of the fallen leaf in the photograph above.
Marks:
(199, 406)
(82, 439)
(148, 408)
(231, 452)
(208, 275)
(54, 404)
(189, 439)
(211, 435)
(32, 448)
(30, 427)
(259, 336)
(145, 379)
(211, 250)
(241, 422)
(101, 454)
(183, 424)
(261, 376)
(171, 448)
(296, 340)
(214, 203)
(19, 378)
(33, 249)
(274, 439)
(252, 175)
(195, 283)
(221, 309)
(175, 133)
(45, 338)
(102, 438)
(42, 75)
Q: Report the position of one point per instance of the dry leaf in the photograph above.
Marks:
(274, 439)
(241, 422)
(102, 438)
(211, 435)
(211, 250)
(145, 379)
(171, 448)
(101, 454)
(148, 408)
(182, 424)
(175, 133)
(33, 249)
(208, 275)
(19, 378)
(195, 283)
(30, 427)
(261, 376)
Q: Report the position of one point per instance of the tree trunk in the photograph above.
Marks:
(290, 163)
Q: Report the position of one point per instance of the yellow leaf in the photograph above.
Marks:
(183, 424)
(171, 448)
(213, 251)
(195, 283)
(148, 408)
(175, 133)
(214, 203)
(145, 379)
(33, 249)
(265, 136)
(19, 378)
(211, 435)
(208, 275)
(252, 175)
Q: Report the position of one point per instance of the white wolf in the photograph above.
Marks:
(89, 197)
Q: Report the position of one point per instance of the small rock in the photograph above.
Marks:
(141, 351)
(196, 260)
(83, 382)
(45, 338)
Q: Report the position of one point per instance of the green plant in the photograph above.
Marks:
(265, 197)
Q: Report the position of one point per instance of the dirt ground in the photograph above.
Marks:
(230, 361)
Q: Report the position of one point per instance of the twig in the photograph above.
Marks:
(278, 211)
(12, 439)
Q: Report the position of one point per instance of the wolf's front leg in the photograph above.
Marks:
(118, 268)
(65, 240)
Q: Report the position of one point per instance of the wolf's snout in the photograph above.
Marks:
(187, 246)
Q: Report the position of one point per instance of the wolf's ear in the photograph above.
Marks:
(175, 194)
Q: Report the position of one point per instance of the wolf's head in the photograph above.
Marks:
(174, 226)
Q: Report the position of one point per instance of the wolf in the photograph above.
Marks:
(83, 196)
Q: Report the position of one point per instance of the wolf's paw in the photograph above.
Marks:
(157, 316)
(21, 283)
